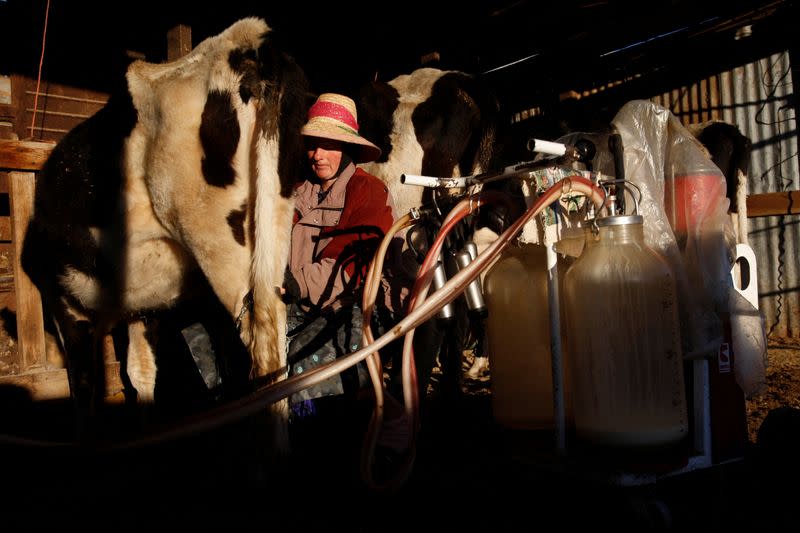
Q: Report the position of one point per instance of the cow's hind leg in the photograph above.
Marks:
(268, 346)
(82, 342)
(141, 362)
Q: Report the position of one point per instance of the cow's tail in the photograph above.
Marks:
(268, 333)
(271, 250)
(278, 166)
(279, 163)
(267, 319)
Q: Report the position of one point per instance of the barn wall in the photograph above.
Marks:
(59, 108)
(40, 117)
(759, 98)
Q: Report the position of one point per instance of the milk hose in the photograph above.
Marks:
(254, 402)
(408, 372)
(422, 285)
(374, 365)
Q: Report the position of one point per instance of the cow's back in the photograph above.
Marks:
(429, 122)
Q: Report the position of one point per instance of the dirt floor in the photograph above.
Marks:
(468, 474)
(783, 383)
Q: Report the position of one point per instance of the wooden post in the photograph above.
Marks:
(179, 42)
(30, 320)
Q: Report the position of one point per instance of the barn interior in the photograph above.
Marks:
(555, 67)
(534, 55)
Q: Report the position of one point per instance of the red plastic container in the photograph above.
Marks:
(691, 198)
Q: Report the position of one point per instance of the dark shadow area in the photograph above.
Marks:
(9, 319)
(470, 475)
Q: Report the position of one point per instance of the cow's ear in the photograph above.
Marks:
(245, 62)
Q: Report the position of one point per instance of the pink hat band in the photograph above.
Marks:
(333, 111)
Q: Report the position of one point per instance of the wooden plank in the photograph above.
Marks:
(18, 84)
(54, 384)
(179, 42)
(6, 267)
(5, 228)
(773, 204)
(43, 385)
(30, 321)
(24, 155)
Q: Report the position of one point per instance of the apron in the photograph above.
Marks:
(317, 338)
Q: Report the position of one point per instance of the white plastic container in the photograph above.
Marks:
(518, 335)
(623, 336)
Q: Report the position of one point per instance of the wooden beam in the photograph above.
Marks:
(30, 320)
(7, 270)
(42, 385)
(773, 204)
(179, 42)
(5, 229)
(54, 384)
(24, 155)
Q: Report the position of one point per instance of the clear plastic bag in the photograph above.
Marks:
(686, 219)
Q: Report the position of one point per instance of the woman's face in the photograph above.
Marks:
(324, 155)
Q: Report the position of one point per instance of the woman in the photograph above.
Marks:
(341, 216)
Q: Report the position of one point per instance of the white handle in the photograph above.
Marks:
(746, 258)
(430, 181)
(547, 147)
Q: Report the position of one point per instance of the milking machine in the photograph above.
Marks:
(623, 328)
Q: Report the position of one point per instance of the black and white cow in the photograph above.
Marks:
(729, 149)
(430, 122)
(186, 174)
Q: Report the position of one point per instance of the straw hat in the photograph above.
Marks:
(333, 116)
